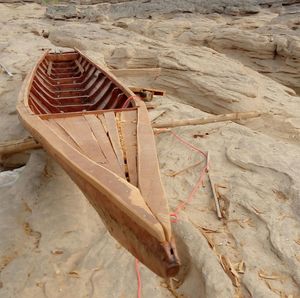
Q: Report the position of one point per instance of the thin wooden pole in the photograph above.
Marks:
(208, 119)
(213, 185)
(6, 70)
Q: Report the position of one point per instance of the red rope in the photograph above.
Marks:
(187, 144)
(139, 294)
(175, 215)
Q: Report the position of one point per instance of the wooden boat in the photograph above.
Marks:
(100, 133)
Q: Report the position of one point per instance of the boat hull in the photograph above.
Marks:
(85, 144)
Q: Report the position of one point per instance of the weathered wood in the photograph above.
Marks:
(230, 270)
(16, 146)
(208, 119)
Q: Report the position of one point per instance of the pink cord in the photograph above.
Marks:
(139, 294)
(174, 215)
(187, 144)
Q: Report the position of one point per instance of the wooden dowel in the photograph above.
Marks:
(208, 119)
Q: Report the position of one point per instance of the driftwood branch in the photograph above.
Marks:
(11, 147)
(208, 119)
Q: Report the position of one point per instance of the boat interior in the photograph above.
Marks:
(89, 110)
(70, 82)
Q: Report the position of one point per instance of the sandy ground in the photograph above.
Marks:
(53, 244)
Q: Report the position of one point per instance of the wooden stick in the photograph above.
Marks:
(230, 270)
(16, 146)
(208, 119)
(6, 70)
(212, 184)
(155, 72)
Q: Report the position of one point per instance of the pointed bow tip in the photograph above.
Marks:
(172, 262)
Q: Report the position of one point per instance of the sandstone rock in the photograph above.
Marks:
(256, 205)
(51, 238)
(267, 43)
(232, 10)
(61, 12)
(190, 75)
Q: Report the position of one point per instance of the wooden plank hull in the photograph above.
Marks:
(100, 134)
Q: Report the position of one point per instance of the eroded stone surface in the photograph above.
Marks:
(53, 243)
(268, 42)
